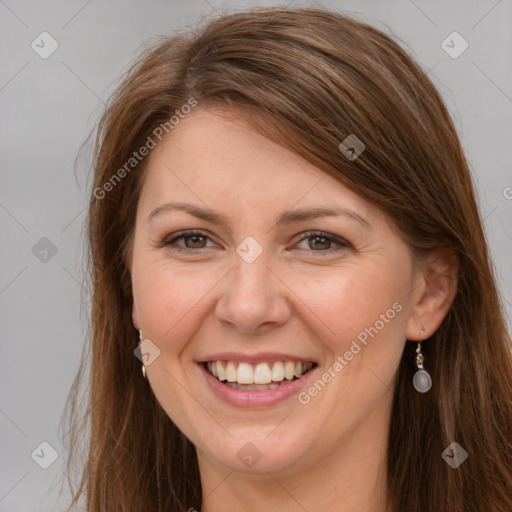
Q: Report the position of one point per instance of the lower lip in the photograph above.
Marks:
(250, 399)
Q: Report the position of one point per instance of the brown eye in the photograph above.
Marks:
(323, 242)
(193, 240)
(319, 242)
(196, 241)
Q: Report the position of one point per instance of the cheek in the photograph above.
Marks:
(168, 299)
(360, 320)
(160, 297)
(362, 327)
(348, 302)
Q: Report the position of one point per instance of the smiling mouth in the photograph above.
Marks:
(257, 377)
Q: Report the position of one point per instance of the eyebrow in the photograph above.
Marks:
(284, 218)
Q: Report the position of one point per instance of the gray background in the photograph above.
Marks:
(48, 106)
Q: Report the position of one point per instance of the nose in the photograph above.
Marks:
(254, 299)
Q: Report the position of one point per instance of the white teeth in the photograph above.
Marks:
(289, 370)
(278, 371)
(262, 374)
(231, 375)
(265, 375)
(221, 371)
(245, 374)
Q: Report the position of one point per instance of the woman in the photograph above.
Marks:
(283, 230)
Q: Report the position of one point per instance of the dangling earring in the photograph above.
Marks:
(421, 381)
(143, 367)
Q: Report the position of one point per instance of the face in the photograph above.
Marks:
(312, 310)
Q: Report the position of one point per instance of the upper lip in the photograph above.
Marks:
(260, 357)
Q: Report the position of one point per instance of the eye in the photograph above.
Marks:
(320, 241)
(197, 238)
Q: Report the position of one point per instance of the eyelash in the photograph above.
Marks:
(342, 244)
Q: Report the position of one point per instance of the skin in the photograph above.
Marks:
(298, 297)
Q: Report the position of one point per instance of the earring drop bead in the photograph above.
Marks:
(421, 381)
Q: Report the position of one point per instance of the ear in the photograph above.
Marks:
(435, 289)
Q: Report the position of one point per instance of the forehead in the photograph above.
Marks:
(218, 159)
(219, 143)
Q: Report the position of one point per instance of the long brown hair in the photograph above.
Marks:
(305, 78)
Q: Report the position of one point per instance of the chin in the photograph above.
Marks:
(257, 450)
